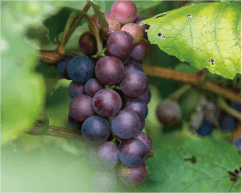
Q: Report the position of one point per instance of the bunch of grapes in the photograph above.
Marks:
(94, 103)
(207, 117)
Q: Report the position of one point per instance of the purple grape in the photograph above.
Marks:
(196, 121)
(142, 125)
(211, 112)
(120, 44)
(109, 70)
(139, 107)
(134, 83)
(226, 121)
(132, 64)
(76, 125)
(76, 89)
(145, 139)
(105, 156)
(106, 102)
(140, 50)
(237, 143)
(81, 69)
(62, 65)
(92, 86)
(81, 107)
(144, 27)
(144, 97)
(235, 105)
(108, 12)
(126, 124)
(95, 130)
(169, 112)
(124, 11)
(88, 43)
(132, 152)
(133, 176)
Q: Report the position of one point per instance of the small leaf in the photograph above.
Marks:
(56, 23)
(206, 35)
(99, 14)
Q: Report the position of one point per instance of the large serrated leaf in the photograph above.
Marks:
(168, 171)
(56, 23)
(206, 35)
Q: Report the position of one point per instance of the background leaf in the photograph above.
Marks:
(199, 33)
(22, 89)
(169, 172)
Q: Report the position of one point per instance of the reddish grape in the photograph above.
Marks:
(140, 50)
(133, 176)
(120, 44)
(106, 102)
(126, 124)
(135, 31)
(134, 83)
(124, 11)
(81, 108)
(109, 70)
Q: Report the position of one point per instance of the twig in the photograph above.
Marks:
(191, 78)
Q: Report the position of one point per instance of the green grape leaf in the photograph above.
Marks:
(99, 14)
(202, 166)
(206, 35)
(23, 90)
(146, 4)
(56, 23)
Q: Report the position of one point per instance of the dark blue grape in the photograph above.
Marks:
(133, 176)
(76, 125)
(107, 102)
(134, 83)
(145, 139)
(132, 64)
(76, 89)
(206, 128)
(226, 121)
(95, 130)
(132, 152)
(62, 65)
(126, 124)
(92, 86)
(81, 107)
(144, 97)
(120, 44)
(139, 107)
(81, 68)
(235, 105)
(237, 143)
(109, 70)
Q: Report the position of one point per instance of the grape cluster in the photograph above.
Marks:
(94, 103)
(207, 117)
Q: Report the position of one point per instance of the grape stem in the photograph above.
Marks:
(191, 78)
(179, 92)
